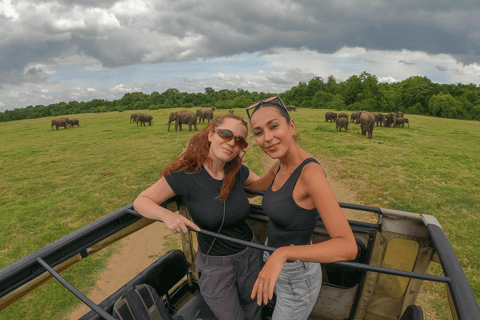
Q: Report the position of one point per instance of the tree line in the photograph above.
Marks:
(415, 95)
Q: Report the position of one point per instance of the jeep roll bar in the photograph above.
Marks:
(64, 252)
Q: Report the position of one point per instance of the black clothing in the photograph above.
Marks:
(288, 222)
(198, 192)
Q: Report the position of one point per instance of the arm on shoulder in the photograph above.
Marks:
(262, 183)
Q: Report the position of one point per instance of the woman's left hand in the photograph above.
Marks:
(263, 287)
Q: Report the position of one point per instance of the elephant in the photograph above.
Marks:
(213, 108)
(204, 114)
(142, 118)
(230, 111)
(401, 121)
(60, 122)
(330, 116)
(291, 108)
(367, 123)
(389, 119)
(73, 122)
(400, 114)
(379, 118)
(134, 117)
(342, 115)
(183, 117)
(342, 123)
(355, 116)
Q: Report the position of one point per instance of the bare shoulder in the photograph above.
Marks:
(312, 168)
(313, 175)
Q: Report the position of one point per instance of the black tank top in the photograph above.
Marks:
(288, 222)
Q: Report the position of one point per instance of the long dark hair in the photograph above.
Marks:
(196, 154)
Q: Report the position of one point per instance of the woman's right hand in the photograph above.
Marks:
(177, 223)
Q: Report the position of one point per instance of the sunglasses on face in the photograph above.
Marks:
(256, 104)
(228, 135)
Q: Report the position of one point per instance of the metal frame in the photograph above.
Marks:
(81, 242)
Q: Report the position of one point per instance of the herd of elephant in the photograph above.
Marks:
(142, 118)
(367, 120)
(190, 118)
(65, 122)
(179, 117)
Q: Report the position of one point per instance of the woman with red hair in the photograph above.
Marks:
(210, 177)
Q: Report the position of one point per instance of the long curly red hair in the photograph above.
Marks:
(196, 154)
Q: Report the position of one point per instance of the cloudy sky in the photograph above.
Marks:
(63, 50)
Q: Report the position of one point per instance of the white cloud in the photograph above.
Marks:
(7, 9)
(121, 88)
(132, 8)
(388, 79)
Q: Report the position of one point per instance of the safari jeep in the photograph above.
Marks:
(381, 283)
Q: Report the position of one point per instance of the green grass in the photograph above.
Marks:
(433, 168)
(54, 182)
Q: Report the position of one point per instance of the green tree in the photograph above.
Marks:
(353, 87)
(445, 106)
(321, 100)
(475, 112)
(337, 103)
(387, 100)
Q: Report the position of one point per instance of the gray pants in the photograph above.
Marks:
(226, 283)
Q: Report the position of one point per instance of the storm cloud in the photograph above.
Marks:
(37, 36)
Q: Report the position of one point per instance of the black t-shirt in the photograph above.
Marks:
(198, 192)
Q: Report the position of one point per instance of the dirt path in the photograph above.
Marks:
(142, 247)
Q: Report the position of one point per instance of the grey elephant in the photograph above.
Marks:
(379, 118)
(389, 119)
(142, 118)
(291, 108)
(401, 121)
(134, 117)
(204, 114)
(73, 122)
(367, 123)
(183, 117)
(330, 116)
(230, 111)
(342, 123)
(355, 116)
(342, 115)
(60, 122)
(213, 108)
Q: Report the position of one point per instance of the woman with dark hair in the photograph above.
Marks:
(210, 177)
(294, 201)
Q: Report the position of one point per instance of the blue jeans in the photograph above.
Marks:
(297, 289)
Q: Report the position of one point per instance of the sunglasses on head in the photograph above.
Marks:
(256, 104)
(228, 135)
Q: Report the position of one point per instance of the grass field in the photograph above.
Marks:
(54, 182)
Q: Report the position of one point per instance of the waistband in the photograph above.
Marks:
(226, 260)
(266, 255)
